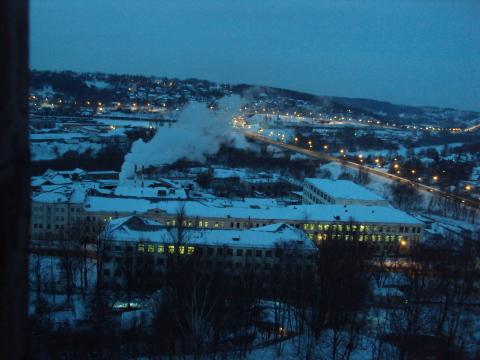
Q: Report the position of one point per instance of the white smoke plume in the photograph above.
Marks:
(198, 132)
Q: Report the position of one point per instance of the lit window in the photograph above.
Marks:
(141, 247)
(305, 226)
(200, 223)
(216, 224)
(206, 224)
(160, 249)
(171, 249)
(151, 248)
(181, 250)
(190, 250)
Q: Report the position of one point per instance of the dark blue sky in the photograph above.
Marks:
(414, 52)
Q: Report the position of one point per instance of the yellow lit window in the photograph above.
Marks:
(305, 226)
(362, 228)
(168, 222)
(151, 248)
(173, 222)
(190, 250)
(171, 249)
(190, 223)
(200, 223)
(216, 224)
(160, 249)
(181, 250)
(141, 247)
(205, 223)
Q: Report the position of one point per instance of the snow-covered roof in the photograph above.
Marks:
(343, 189)
(304, 213)
(139, 229)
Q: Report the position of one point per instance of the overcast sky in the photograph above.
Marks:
(415, 52)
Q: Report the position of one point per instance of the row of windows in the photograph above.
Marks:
(314, 190)
(360, 228)
(360, 237)
(209, 251)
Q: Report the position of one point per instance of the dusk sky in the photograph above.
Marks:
(410, 52)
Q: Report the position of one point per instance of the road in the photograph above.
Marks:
(324, 156)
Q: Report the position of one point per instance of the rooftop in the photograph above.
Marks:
(139, 229)
(343, 189)
(304, 213)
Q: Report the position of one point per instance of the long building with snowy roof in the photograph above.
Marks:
(138, 250)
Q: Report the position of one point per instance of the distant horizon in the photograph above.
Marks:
(259, 85)
(420, 53)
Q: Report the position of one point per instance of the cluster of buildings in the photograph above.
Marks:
(62, 199)
(142, 217)
(139, 221)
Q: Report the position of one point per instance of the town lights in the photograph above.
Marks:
(403, 243)
(325, 147)
(296, 139)
(435, 178)
(342, 151)
(360, 156)
(396, 166)
(413, 171)
(468, 187)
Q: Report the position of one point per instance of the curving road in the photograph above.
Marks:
(323, 156)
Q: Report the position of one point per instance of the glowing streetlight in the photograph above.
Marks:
(325, 147)
(435, 178)
(468, 187)
(403, 243)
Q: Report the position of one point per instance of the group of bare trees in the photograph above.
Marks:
(323, 301)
